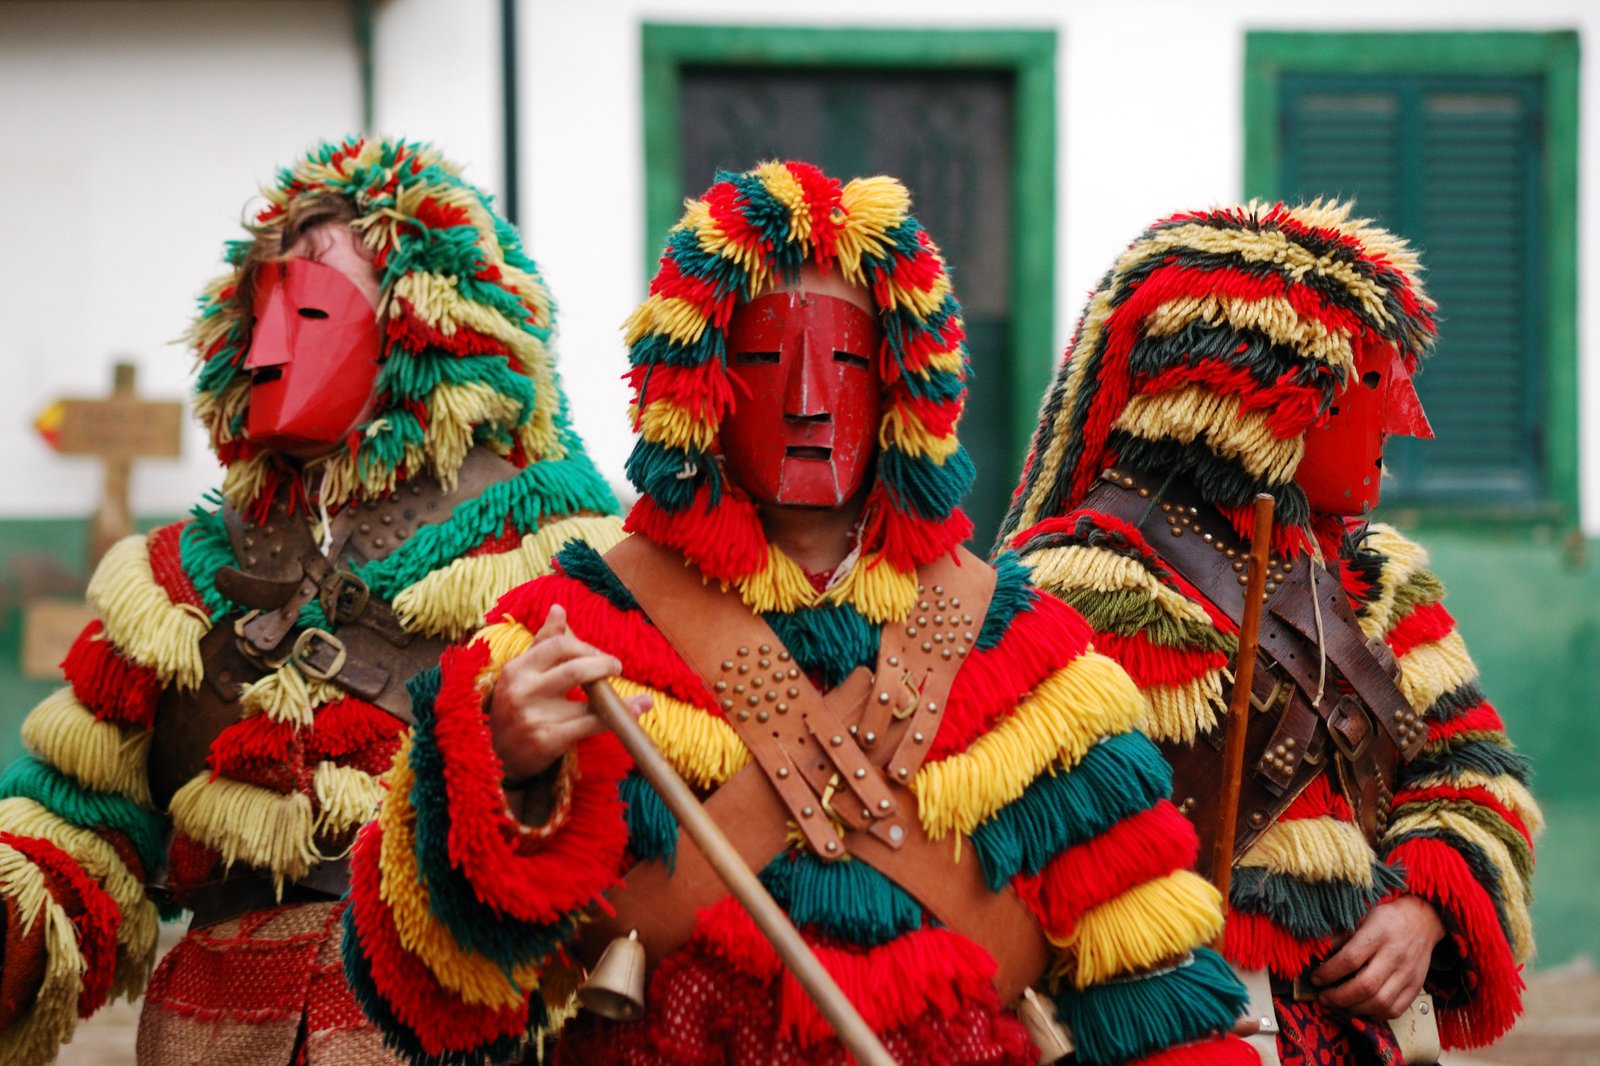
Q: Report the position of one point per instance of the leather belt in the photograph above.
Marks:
(1352, 713)
(836, 767)
(247, 891)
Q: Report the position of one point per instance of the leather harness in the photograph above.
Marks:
(1356, 715)
(364, 650)
(834, 768)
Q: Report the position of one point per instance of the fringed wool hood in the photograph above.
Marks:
(1211, 347)
(465, 315)
(747, 230)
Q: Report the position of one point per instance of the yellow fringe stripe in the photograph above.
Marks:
(1508, 790)
(681, 321)
(1272, 315)
(142, 621)
(452, 601)
(1149, 924)
(347, 798)
(1404, 559)
(872, 207)
(785, 188)
(1076, 567)
(1428, 671)
(902, 429)
(136, 935)
(779, 586)
(98, 755)
(1313, 850)
(452, 412)
(702, 748)
(1182, 713)
(270, 830)
(1089, 699)
(1513, 890)
(34, 1038)
(1196, 411)
(287, 695)
(664, 422)
(474, 978)
(879, 593)
(507, 640)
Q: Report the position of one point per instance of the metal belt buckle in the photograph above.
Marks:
(1341, 712)
(305, 646)
(906, 711)
(1265, 706)
(343, 597)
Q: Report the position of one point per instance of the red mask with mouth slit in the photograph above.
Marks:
(1342, 470)
(313, 358)
(805, 421)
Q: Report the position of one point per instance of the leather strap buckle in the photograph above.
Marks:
(1349, 728)
(312, 649)
(343, 596)
(251, 650)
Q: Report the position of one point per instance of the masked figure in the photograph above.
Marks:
(922, 758)
(1384, 834)
(374, 374)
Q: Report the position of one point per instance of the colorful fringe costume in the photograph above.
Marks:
(93, 846)
(461, 925)
(1202, 359)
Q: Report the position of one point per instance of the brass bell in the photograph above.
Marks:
(615, 987)
(1050, 1036)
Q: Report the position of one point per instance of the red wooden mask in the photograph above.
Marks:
(804, 425)
(313, 358)
(1342, 469)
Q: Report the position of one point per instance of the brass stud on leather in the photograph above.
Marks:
(1258, 819)
(966, 619)
(1232, 554)
(962, 651)
(807, 812)
(401, 534)
(938, 590)
(836, 740)
(761, 716)
(1244, 579)
(744, 716)
(1166, 507)
(854, 730)
(727, 664)
(276, 548)
(1238, 566)
(722, 686)
(765, 664)
(927, 645)
(744, 668)
(784, 656)
(794, 671)
(902, 773)
(783, 771)
(739, 689)
(1176, 532)
(832, 845)
(794, 693)
(1127, 482)
(911, 631)
(922, 619)
(884, 805)
(753, 699)
(772, 695)
(916, 738)
(386, 519)
(378, 542)
(1272, 586)
(938, 619)
(922, 605)
(938, 638)
(1207, 537)
(743, 652)
(783, 708)
(955, 604)
(933, 708)
(757, 682)
(883, 697)
(861, 771)
(1144, 493)
(894, 660)
(870, 737)
(945, 653)
(727, 705)
(766, 649)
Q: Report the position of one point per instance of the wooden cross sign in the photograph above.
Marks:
(118, 429)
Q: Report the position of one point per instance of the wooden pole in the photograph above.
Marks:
(1238, 723)
(856, 1035)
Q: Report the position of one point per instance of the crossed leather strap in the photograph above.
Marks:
(1300, 709)
(835, 767)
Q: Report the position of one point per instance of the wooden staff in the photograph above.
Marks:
(856, 1035)
(1238, 723)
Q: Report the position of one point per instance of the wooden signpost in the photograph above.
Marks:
(118, 429)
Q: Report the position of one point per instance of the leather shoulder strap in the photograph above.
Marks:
(812, 758)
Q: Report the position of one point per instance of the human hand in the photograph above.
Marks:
(1384, 963)
(532, 721)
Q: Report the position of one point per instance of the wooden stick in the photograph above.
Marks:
(856, 1035)
(1238, 723)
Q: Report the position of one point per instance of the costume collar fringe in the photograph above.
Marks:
(748, 230)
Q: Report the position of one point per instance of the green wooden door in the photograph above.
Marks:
(1454, 164)
(948, 136)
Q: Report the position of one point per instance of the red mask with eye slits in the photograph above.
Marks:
(805, 420)
(313, 358)
(1342, 469)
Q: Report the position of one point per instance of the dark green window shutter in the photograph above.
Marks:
(1454, 164)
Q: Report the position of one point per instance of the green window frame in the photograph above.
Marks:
(1542, 69)
(1029, 55)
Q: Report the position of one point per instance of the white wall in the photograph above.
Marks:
(148, 124)
(132, 134)
(1149, 118)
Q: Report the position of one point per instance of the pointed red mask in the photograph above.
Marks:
(804, 426)
(313, 358)
(1342, 469)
